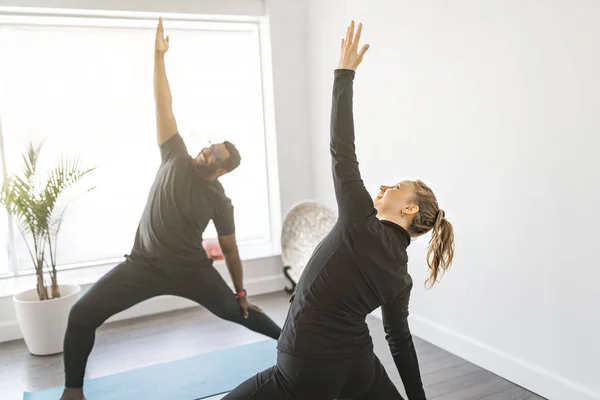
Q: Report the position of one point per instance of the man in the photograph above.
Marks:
(167, 257)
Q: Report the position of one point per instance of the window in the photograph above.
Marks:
(4, 265)
(84, 86)
(4, 233)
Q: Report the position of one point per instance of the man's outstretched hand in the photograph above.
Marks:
(161, 44)
(350, 57)
(245, 307)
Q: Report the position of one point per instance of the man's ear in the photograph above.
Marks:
(220, 172)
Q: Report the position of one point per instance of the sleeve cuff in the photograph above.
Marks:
(175, 138)
(344, 72)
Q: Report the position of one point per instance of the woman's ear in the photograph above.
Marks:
(411, 209)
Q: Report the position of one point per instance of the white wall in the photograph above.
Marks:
(288, 34)
(288, 42)
(495, 105)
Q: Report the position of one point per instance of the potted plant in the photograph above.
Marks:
(37, 203)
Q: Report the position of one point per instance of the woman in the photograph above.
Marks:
(325, 350)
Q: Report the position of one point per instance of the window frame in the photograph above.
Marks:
(249, 250)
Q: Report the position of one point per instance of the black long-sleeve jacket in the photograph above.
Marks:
(359, 266)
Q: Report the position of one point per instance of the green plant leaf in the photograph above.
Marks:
(38, 206)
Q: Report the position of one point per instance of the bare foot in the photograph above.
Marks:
(73, 394)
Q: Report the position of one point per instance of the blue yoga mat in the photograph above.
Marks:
(192, 378)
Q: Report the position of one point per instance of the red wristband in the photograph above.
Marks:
(241, 294)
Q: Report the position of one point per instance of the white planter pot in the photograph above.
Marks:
(43, 323)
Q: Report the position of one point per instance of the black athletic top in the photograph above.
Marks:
(359, 266)
(179, 207)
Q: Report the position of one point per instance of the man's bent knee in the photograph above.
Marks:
(84, 314)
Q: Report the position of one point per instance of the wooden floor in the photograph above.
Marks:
(132, 344)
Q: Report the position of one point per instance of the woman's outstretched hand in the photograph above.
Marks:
(351, 57)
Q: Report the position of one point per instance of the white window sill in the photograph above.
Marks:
(13, 285)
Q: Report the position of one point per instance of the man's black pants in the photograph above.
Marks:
(131, 283)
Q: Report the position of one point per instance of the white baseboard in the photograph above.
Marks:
(256, 286)
(514, 369)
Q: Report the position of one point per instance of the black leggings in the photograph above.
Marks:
(128, 284)
(359, 378)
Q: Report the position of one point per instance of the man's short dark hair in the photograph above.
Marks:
(233, 161)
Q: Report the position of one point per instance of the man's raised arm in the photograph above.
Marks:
(166, 126)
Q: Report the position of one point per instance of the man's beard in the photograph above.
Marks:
(206, 171)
